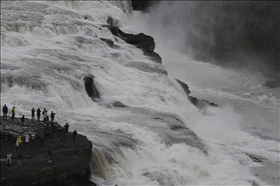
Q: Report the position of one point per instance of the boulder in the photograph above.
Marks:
(90, 87)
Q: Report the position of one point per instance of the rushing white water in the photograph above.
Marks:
(48, 47)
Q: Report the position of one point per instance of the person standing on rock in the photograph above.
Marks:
(52, 128)
(9, 159)
(17, 146)
(27, 139)
(5, 111)
(13, 112)
(74, 134)
(19, 159)
(38, 114)
(65, 131)
(55, 134)
(22, 120)
(32, 114)
(42, 136)
(18, 143)
(45, 113)
(52, 116)
(32, 137)
(50, 155)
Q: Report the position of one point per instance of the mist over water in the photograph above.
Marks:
(245, 104)
(47, 48)
(231, 34)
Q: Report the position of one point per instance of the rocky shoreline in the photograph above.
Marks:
(70, 165)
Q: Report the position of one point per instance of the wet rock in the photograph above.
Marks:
(147, 67)
(142, 41)
(184, 86)
(109, 42)
(35, 169)
(91, 87)
(199, 103)
(254, 158)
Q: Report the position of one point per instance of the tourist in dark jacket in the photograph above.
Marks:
(32, 113)
(5, 111)
(66, 127)
(32, 137)
(38, 114)
(52, 116)
(45, 115)
(19, 159)
(42, 136)
(55, 134)
(22, 120)
(50, 154)
(74, 134)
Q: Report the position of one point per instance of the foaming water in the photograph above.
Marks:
(248, 115)
(159, 139)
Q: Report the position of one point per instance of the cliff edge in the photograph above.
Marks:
(70, 162)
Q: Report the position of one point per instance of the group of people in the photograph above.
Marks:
(44, 113)
(31, 136)
(5, 111)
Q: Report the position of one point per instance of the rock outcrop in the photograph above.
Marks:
(90, 87)
(199, 103)
(70, 166)
(142, 41)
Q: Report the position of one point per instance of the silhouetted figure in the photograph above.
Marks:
(55, 134)
(32, 137)
(13, 112)
(52, 115)
(32, 113)
(22, 120)
(74, 134)
(50, 154)
(45, 114)
(42, 136)
(38, 114)
(66, 127)
(19, 159)
(47, 124)
(5, 111)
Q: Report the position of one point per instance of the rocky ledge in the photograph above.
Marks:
(70, 163)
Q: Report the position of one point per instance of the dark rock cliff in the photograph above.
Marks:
(70, 166)
(142, 41)
(199, 103)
